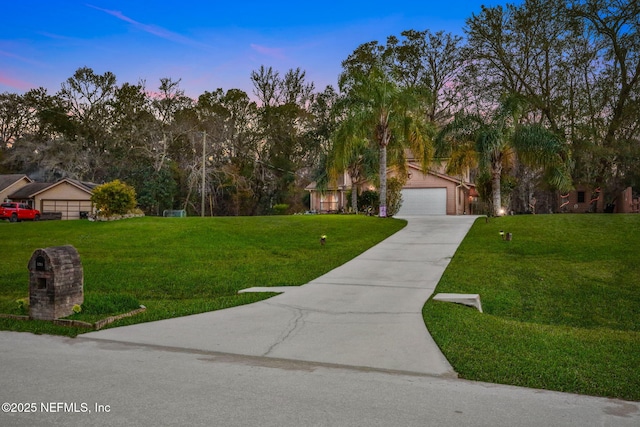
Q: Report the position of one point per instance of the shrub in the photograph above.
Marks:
(114, 198)
(369, 198)
(280, 209)
(394, 196)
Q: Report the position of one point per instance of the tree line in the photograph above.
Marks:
(536, 98)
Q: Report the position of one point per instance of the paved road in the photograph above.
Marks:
(348, 349)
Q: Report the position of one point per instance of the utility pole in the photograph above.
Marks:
(204, 153)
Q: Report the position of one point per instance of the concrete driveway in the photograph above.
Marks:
(365, 313)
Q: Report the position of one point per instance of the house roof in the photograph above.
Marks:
(7, 181)
(29, 191)
(313, 186)
(87, 186)
(444, 176)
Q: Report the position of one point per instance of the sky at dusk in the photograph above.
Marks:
(206, 44)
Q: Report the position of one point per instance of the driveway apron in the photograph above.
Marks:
(366, 313)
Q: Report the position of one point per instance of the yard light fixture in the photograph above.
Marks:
(502, 234)
(323, 239)
(501, 212)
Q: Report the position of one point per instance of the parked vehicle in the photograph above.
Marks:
(15, 212)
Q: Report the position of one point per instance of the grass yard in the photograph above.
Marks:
(561, 304)
(181, 266)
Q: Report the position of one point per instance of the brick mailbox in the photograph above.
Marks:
(56, 282)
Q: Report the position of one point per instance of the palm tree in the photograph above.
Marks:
(379, 113)
(489, 143)
(357, 157)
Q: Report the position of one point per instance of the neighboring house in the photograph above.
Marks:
(69, 197)
(626, 203)
(12, 183)
(587, 199)
(433, 193)
(582, 199)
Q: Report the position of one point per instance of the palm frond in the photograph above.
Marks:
(463, 159)
(536, 146)
(460, 131)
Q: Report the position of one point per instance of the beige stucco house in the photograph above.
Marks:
(69, 197)
(435, 193)
(11, 183)
(431, 193)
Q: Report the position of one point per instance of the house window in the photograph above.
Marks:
(580, 196)
(329, 202)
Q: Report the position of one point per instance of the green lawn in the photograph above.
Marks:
(181, 266)
(561, 304)
(561, 301)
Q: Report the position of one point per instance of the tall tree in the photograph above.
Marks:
(41, 145)
(284, 120)
(381, 112)
(611, 88)
(89, 99)
(230, 119)
(357, 156)
(429, 62)
(578, 64)
(494, 141)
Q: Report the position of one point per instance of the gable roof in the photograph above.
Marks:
(7, 181)
(443, 176)
(29, 191)
(83, 185)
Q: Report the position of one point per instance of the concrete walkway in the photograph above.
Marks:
(366, 313)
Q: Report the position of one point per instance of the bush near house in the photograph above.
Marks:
(369, 199)
(280, 209)
(394, 196)
(114, 198)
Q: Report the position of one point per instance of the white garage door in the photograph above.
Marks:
(423, 201)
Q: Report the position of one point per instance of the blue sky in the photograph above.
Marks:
(207, 44)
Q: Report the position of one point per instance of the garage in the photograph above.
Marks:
(423, 201)
(70, 209)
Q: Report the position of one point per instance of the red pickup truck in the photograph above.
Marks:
(15, 212)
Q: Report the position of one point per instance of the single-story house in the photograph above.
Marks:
(587, 199)
(431, 193)
(69, 197)
(582, 199)
(12, 183)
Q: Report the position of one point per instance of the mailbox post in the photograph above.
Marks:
(56, 282)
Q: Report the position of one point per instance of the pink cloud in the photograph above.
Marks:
(274, 52)
(14, 83)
